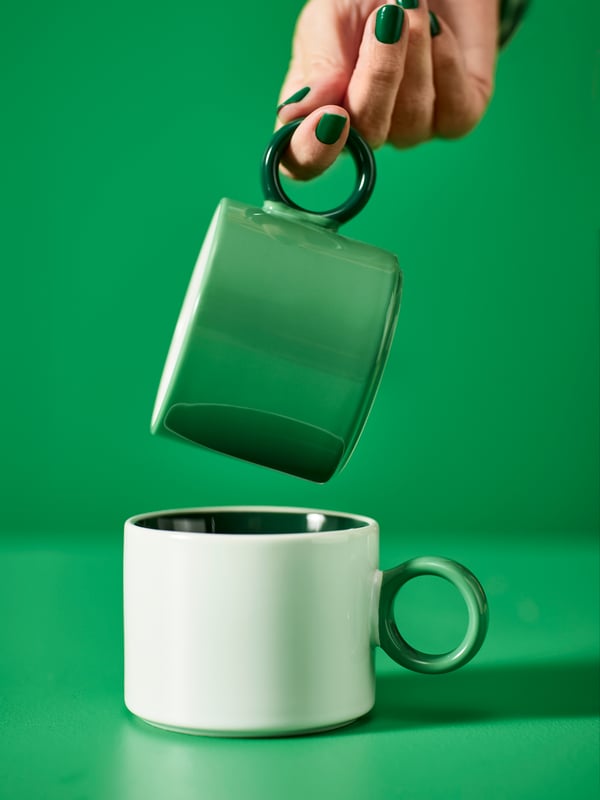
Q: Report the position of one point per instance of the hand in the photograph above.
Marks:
(400, 74)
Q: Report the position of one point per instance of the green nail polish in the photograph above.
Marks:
(295, 98)
(330, 128)
(434, 25)
(408, 3)
(388, 24)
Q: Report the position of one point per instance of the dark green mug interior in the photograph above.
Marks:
(255, 435)
(250, 522)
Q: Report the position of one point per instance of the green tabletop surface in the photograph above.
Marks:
(520, 721)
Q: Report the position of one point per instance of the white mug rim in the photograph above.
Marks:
(368, 523)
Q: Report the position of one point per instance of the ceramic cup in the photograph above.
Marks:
(284, 331)
(262, 621)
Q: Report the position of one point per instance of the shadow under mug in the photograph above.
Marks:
(284, 331)
(263, 621)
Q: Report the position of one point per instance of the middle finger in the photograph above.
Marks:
(413, 115)
(377, 73)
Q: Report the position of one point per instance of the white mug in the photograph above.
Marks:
(262, 621)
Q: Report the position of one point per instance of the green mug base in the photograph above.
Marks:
(259, 437)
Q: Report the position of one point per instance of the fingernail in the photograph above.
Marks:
(330, 128)
(434, 25)
(388, 23)
(295, 98)
(408, 3)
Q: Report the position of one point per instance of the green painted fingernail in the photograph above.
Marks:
(408, 3)
(330, 128)
(295, 98)
(388, 24)
(434, 25)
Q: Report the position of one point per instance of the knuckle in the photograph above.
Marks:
(412, 123)
(418, 36)
(405, 138)
(446, 62)
(463, 114)
(383, 72)
(482, 89)
(325, 66)
(372, 129)
(454, 123)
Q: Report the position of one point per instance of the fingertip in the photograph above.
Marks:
(330, 127)
(434, 25)
(296, 97)
(317, 142)
(316, 93)
(378, 72)
(295, 105)
(389, 23)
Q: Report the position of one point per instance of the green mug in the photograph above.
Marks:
(284, 330)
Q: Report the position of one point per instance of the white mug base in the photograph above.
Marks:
(251, 734)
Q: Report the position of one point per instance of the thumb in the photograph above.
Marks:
(304, 92)
(323, 55)
(316, 142)
(324, 49)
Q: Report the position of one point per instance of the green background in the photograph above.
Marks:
(125, 123)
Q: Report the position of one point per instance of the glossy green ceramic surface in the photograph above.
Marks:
(391, 639)
(364, 162)
(281, 342)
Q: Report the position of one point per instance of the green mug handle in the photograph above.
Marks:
(365, 174)
(467, 584)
